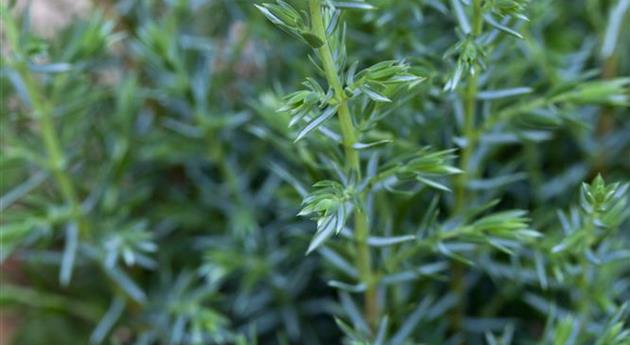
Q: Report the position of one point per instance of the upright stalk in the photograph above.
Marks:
(41, 112)
(332, 76)
(469, 134)
(461, 197)
(56, 159)
(349, 134)
(469, 131)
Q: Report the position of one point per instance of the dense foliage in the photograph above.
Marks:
(453, 170)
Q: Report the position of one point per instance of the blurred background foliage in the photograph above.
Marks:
(150, 187)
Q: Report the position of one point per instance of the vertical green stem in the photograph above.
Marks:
(42, 113)
(348, 131)
(330, 68)
(469, 134)
(470, 95)
(477, 18)
(56, 159)
(461, 196)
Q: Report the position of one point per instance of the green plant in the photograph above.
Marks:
(358, 102)
(160, 185)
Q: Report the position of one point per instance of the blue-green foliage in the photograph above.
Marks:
(455, 172)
